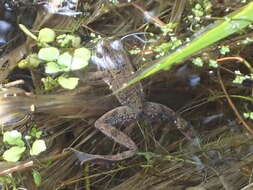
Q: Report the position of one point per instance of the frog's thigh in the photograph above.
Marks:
(116, 117)
(158, 112)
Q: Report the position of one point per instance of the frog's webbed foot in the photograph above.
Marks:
(161, 113)
(106, 124)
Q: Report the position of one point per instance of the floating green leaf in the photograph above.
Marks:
(78, 61)
(38, 147)
(81, 58)
(33, 60)
(76, 42)
(68, 83)
(23, 64)
(52, 67)
(36, 177)
(65, 59)
(13, 138)
(13, 154)
(83, 53)
(38, 134)
(46, 35)
(49, 54)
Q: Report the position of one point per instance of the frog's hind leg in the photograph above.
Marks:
(156, 112)
(106, 124)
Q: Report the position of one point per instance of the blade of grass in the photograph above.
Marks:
(232, 23)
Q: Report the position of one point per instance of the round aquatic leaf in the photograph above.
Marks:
(52, 67)
(76, 42)
(65, 59)
(30, 61)
(78, 63)
(38, 147)
(38, 134)
(33, 60)
(13, 138)
(49, 54)
(13, 154)
(68, 83)
(80, 59)
(46, 35)
(83, 53)
(36, 177)
(23, 64)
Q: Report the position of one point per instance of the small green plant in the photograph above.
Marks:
(166, 47)
(248, 115)
(213, 63)
(36, 177)
(246, 41)
(213, 33)
(59, 54)
(200, 11)
(239, 77)
(7, 182)
(14, 139)
(198, 62)
(50, 83)
(224, 50)
(16, 147)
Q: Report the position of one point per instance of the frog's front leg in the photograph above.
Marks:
(157, 112)
(107, 124)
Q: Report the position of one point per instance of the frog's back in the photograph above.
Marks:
(114, 60)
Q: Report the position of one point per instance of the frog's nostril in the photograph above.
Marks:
(99, 55)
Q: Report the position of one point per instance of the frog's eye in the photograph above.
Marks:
(117, 45)
(99, 55)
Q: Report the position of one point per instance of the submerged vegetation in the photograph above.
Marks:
(193, 56)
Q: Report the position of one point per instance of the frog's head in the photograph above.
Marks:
(109, 54)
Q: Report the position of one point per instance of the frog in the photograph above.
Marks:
(114, 61)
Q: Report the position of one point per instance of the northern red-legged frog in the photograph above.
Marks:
(114, 61)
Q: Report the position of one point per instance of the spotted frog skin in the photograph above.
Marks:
(114, 61)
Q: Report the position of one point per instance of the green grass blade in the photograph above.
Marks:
(231, 24)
